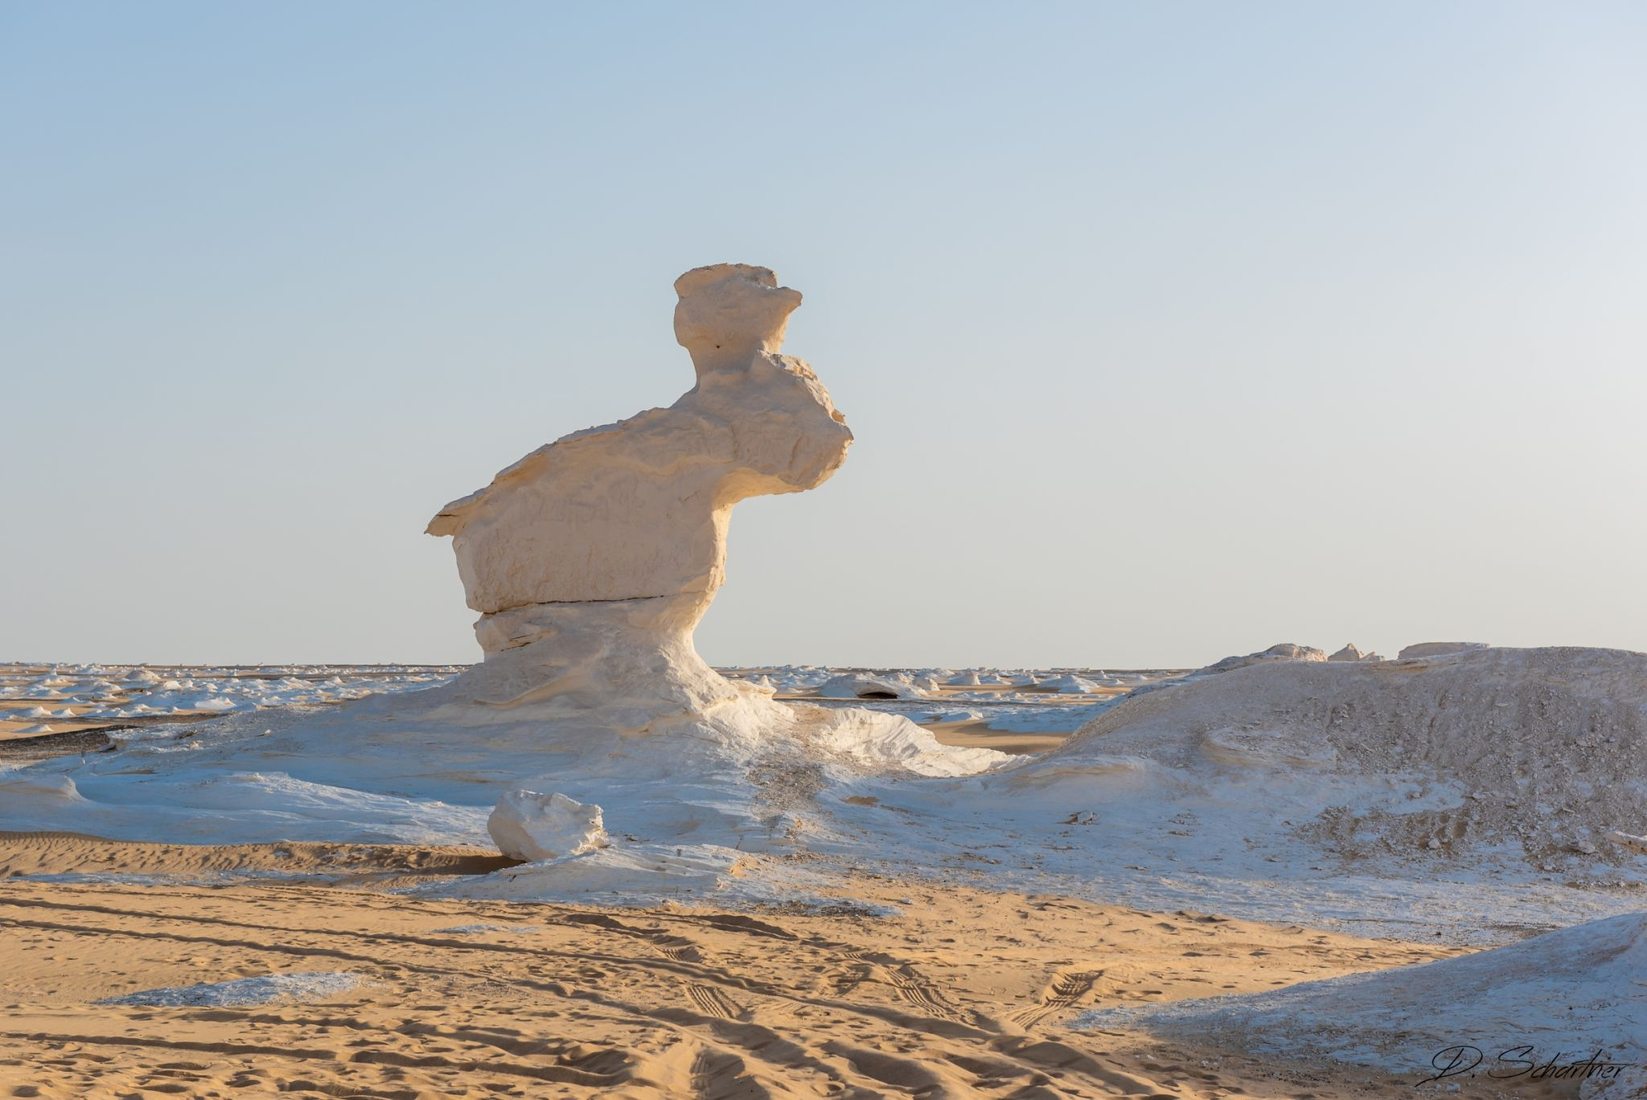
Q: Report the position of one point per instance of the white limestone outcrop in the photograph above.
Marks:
(638, 509)
(592, 559)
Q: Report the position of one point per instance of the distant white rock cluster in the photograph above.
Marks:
(1289, 651)
(78, 694)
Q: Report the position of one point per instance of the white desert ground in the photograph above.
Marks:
(1044, 940)
(591, 864)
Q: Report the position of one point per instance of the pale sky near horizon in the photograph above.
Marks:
(1167, 330)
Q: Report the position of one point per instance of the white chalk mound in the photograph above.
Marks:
(1563, 998)
(531, 826)
(1070, 684)
(854, 685)
(1532, 751)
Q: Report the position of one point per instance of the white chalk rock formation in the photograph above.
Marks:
(532, 826)
(592, 559)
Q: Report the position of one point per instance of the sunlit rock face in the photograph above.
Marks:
(601, 551)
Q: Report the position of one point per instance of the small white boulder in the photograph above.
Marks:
(532, 826)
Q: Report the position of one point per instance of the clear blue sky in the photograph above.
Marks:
(1167, 330)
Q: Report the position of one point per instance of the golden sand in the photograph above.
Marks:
(963, 994)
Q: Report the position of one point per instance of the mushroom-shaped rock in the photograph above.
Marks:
(638, 509)
(592, 559)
